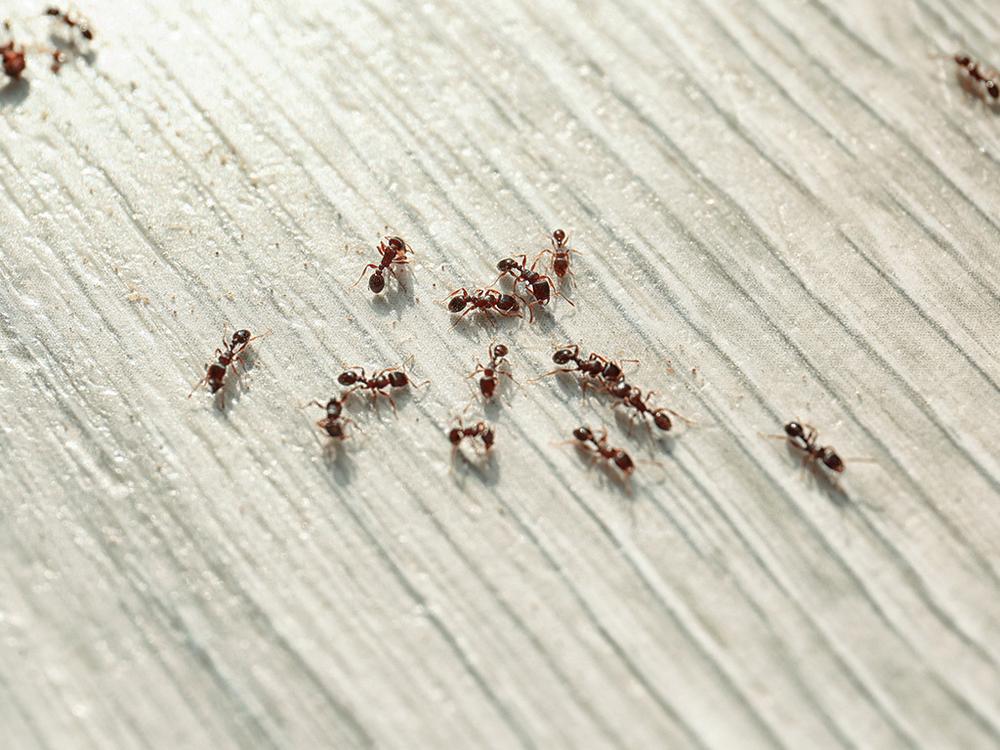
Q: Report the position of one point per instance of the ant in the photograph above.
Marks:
(598, 447)
(803, 437)
(73, 21)
(334, 421)
(594, 366)
(969, 68)
(633, 399)
(560, 254)
(379, 382)
(498, 366)
(231, 353)
(480, 429)
(538, 285)
(393, 251)
(14, 62)
(483, 300)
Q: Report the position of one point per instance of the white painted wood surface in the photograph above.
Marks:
(790, 205)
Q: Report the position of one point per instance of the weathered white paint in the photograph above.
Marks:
(792, 206)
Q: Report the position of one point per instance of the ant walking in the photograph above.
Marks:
(594, 368)
(804, 438)
(498, 366)
(231, 353)
(599, 449)
(379, 383)
(334, 422)
(539, 286)
(483, 301)
(560, 255)
(631, 398)
(393, 251)
(976, 80)
(481, 429)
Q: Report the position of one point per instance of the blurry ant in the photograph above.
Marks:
(538, 285)
(803, 437)
(595, 367)
(480, 429)
(379, 382)
(231, 353)
(334, 422)
(599, 450)
(560, 255)
(498, 366)
(975, 80)
(393, 251)
(632, 398)
(484, 301)
(73, 20)
(14, 61)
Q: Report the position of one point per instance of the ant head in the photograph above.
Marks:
(991, 86)
(583, 434)
(348, 377)
(398, 379)
(962, 60)
(564, 356)
(376, 282)
(506, 302)
(832, 461)
(559, 236)
(506, 265)
(240, 337)
(488, 437)
(499, 350)
(794, 429)
(53, 11)
(457, 304)
(611, 371)
(661, 420)
(455, 435)
(395, 244)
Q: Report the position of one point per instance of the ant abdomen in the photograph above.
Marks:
(398, 379)
(456, 304)
(376, 283)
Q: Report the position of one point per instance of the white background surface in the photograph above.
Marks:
(784, 209)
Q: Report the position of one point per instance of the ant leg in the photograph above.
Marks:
(314, 402)
(451, 294)
(200, 383)
(370, 265)
(685, 420)
(552, 372)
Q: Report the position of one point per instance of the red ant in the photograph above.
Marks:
(598, 447)
(393, 251)
(334, 421)
(14, 61)
(803, 437)
(538, 285)
(560, 254)
(228, 356)
(378, 383)
(976, 80)
(632, 398)
(73, 20)
(498, 366)
(594, 366)
(483, 300)
(480, 429)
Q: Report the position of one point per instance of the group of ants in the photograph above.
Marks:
(78, 35)
(529, 289)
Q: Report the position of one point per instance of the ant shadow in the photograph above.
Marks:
(338, 462)
(473, 329)
(15, 92)
(664, 441)
(71, 49)
(612, 478)
(235, 384)
(485, 468)
(396, 300)
(821, 479)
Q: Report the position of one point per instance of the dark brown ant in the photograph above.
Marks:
(632, 398)
(595, 367)
(484, 301)
(74, 21)
(976, 80)
(229, 355)
(14, 61)
(378, 384)
(498, 366)
(598, 447)
(539, 286)
(803, 438)
(393, 251)
(560, 254)
(334, 422)
(480, 429)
